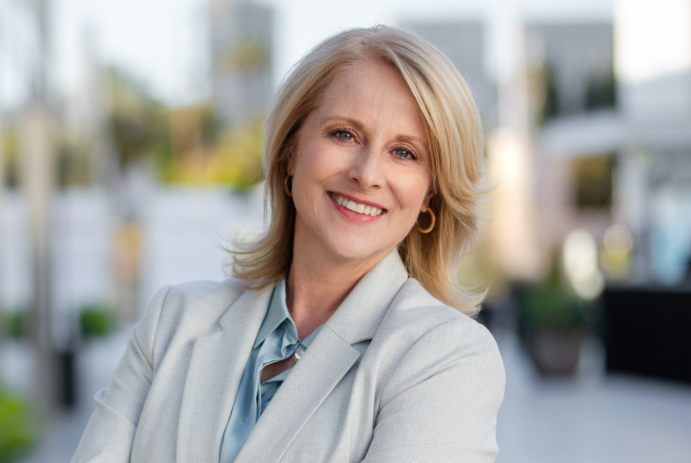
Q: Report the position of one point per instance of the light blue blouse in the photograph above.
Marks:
(277, 339)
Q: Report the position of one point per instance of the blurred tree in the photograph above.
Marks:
(235, 161)
(187, 144)
(2, 191)
(72, 163)
(138, 124)
(9, 151)
(194, 128)
(247, 56)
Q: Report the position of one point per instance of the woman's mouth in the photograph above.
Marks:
(357, 207)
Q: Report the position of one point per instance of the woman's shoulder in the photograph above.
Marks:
(421, 337)
(201, 299)
(415, 311)
(205, 292)
(188, 309)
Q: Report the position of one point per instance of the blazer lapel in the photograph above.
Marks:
(298, 397)
(216, 366)
(330, 356)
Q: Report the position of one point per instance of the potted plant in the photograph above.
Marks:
(552, 323)
(96, 321)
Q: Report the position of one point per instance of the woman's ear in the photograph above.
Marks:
(428, 199)
(288, 160)
(289, 154)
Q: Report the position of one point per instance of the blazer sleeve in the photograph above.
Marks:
(443, 401)
(109, 433)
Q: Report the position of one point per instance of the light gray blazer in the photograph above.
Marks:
(393, 376)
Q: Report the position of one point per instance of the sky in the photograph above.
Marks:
(163, 43)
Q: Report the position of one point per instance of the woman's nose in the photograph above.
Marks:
(367, 170)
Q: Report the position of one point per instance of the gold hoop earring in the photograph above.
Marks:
(286, 185)
(432, 222)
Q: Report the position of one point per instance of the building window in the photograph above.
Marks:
(592, 181)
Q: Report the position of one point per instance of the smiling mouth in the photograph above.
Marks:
(359, 208)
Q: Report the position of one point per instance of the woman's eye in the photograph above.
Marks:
(404, 153)
(342, 135)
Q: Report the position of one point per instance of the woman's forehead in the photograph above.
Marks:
(370, 89)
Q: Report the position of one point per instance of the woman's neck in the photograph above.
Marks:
(316, 289)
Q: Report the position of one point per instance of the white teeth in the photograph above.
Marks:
(357, 207)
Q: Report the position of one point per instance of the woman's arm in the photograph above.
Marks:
(444, 399)
(110, 430)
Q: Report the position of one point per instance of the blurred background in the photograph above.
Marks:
(130, 145)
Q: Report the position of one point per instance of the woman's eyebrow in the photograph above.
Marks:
(411, 139)
(349, 120)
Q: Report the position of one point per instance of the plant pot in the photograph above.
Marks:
(555, 351)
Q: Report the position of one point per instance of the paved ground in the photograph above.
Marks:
(591, 419)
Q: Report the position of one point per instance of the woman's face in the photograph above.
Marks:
(361, 170)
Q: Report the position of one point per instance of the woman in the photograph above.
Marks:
(337, 340)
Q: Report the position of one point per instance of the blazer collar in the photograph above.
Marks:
(218, 361)
(325, 362)
(359, 315)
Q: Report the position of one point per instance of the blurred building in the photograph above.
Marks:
(241, 36)
(576, 62)
(655, 116)
(464, 43)
(569, 81)
(618, 151)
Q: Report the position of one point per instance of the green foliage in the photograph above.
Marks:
(138, 125)
(18, 431)
(96, 321)
(235, 161)
(72, 163)
(210, 125)
(16, 323)
(247, 56)
(187, 145)
(243, 150)
(9, 149)
(551, 303)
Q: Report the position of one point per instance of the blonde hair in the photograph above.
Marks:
(454, 135)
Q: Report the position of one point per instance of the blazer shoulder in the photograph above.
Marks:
(200, 298)
(187, 310)
(439, 382)
(423, 337)
(418, 310)
(192, 293)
